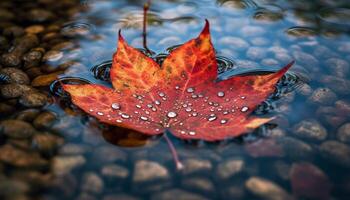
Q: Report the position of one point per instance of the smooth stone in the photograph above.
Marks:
(343, 133)
(44, 120)
(338, 67)
(266, 189)
(337, 84)
(193, 165)
(45, 80)
(32, 59)
(176, 194)
(108, 154)
(296, 149)
(15, 75)
(323, 96)
(92, 183)
(33, 99)
(39, 15)
(113, 171)
(336, 152)
(201, 184)
(306, 60)
(11, 189)
(119, 197)
(47, 142)
(311, 129)
(6, 110)
(256, 53)
(52, 56)
(14, 90)
(18, 158)
(146, 170)
(234, 42)
(34, 29)
(85, 196)
(62, 165)
(264, 148)
(229, 168)
(309, 182)
(16, 129)
(28, 115)
(282, 169)
(305, 90)
(74, 149)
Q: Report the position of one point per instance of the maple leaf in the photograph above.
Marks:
(182, 96)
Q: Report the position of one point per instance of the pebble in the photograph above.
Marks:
(45, 80)
(336, 152)
(305, 90)
(234, 42)
(13, 31)
(52, 56)
(38, 15)
(6, 110)
(92, 183)
(311, 129)
(338, 67)
(44, 120)
(14, 90)
(16, 129)
(32, 59)
(119, 196)
(33, 99)
(323, 96)
(34, 29)
(343, 133)
(256, 53)
(18, 158)
(192, 166)
(309, 182)
(201, 184)
(296, 149)
(47, 143)
(73, 149)
(114, 171)
(148, 171)
(62, 165)
(176, 194)
(266, 189)
(15, 75)
(12, 189)
(337, 84)
(229, 168)
(282, 169)
(28, 115)
(108, 154)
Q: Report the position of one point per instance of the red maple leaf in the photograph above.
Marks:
(182, 96)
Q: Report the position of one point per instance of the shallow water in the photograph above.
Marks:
(304, 153)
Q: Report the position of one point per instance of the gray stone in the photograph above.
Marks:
(16, 129)
(311, 129)
(176, 194)
(114, 171)
(266, 189)
(323, 96)
(338, 67)
(304, 90)
(336, 152)
(296, 149)
(229, 168)
(73, 149)
(146, 170)
(234, 42)
(108, 154)
(92, 183)
(62, 165)
(33, 99)
(28, 115)
(11, 188)
(193, 165)
(337, 84)
(256, 53)
(343, 133)
(15, 75)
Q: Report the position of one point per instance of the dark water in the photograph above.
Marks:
(303, 154)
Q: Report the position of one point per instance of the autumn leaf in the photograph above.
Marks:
(182, 96)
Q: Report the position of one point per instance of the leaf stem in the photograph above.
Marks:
(173, 151)
(144, 32)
